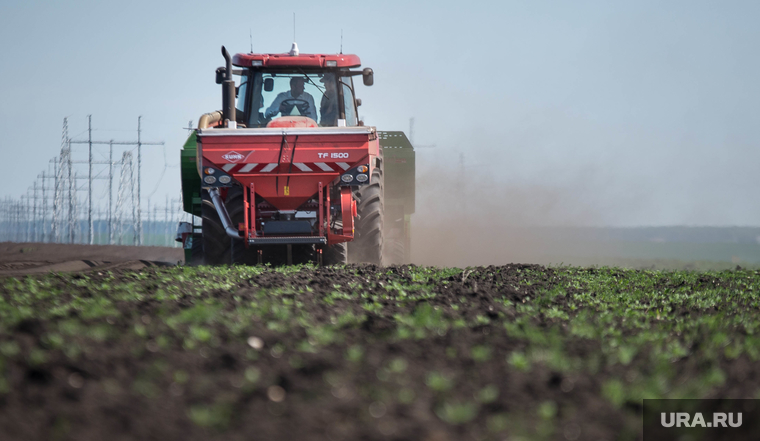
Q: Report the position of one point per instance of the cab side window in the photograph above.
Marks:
(241, 99)
(348, 102)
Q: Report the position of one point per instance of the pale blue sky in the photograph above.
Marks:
(642, 113)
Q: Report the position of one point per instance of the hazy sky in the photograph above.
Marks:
(641, 113)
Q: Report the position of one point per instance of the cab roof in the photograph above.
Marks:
(302, 60)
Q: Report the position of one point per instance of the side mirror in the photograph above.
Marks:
(220, 74)
(368, 76)
(358, 102)
(268, 84)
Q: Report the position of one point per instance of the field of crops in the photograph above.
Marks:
(516, 352)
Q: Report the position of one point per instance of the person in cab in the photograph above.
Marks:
(295, 98)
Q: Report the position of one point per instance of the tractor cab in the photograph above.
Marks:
(297, 90)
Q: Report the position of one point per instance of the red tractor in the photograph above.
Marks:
(287, 173)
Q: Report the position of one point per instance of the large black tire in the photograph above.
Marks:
(196, 250)
(217, 244)
(334, 254)
(367, 246)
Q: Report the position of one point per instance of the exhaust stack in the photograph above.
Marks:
(228, 92)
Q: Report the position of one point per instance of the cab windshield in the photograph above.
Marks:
(323, 97)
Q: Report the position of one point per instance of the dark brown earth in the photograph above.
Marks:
(145, 381)
(327, 397)
(33, 258)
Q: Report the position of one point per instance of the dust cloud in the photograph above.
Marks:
(466, 216)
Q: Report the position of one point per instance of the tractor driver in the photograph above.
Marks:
(295, 97)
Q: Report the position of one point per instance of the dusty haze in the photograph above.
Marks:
(466, 218)
(477, 206)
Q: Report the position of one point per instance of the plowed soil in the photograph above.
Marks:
(363, 352)
(33, 258)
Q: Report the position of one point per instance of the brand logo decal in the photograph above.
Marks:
(233, 156)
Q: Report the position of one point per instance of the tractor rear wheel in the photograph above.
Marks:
(334, 254)
(367, 245)
(216, 243)
(196, 250)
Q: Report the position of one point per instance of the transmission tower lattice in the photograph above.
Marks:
(126, 214)
(65, 198)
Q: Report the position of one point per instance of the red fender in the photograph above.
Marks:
(348, 208)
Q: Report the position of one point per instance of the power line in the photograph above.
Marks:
(52, 210)
(111, 143)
